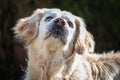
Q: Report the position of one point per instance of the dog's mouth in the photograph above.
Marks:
(56, 35)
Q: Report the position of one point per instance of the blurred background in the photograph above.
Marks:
(102, 18)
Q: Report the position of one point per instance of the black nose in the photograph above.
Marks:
(59, 22)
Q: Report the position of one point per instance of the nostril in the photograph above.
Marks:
(56, 21)
(63, 22)
(60, 22)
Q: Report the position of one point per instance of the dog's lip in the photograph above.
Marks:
(48, 34)
(63, 40)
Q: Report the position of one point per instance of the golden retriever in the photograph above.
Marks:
(60, 48)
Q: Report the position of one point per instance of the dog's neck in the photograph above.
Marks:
(53, 48)
(48, 56)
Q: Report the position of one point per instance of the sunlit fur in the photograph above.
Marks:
(70, 57)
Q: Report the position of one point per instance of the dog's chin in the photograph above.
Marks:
(58, 37)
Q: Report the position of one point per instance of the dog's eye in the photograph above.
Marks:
(48, 18)
(70, 24)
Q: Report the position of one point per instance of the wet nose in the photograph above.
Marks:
(59, 22)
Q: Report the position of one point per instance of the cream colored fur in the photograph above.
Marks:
(70, 57)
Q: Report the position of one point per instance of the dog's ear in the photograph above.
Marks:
(27, 28)
(84, 41)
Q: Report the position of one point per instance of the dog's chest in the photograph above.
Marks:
(46, 65)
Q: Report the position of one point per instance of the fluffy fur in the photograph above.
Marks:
(60, 48)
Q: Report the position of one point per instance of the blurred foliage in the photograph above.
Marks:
(101, 16)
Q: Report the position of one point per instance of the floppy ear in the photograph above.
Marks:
(84, 42)
(27, 28)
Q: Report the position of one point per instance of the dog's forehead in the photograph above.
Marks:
(68, 15)
(53, 12)
(58, 12)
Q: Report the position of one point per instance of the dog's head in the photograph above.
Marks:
(55, 27)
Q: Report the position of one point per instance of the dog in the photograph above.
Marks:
(60, 48)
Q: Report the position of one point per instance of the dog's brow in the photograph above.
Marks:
(51, 14)
(65, 17)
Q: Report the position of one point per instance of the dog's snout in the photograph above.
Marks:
(59, 22)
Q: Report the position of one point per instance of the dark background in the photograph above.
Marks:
(102, 18)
